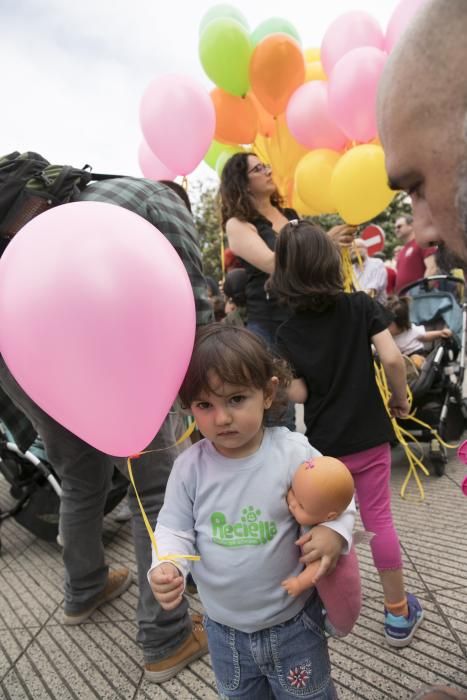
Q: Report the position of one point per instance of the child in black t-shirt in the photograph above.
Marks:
(328, 342)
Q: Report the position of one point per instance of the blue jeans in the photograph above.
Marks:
(290, 660)
(267, 331)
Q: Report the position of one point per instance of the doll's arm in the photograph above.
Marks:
(294, 585)
(340, 591)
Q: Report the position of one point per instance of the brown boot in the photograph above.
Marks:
(118, 582)
(195, 646)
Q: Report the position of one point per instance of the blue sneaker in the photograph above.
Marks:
(398, 629)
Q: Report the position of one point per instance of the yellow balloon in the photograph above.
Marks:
(313, 179)
(300, 206)
(359, 186)
(312, 54)
(314, 71)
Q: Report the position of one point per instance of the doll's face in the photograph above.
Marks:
(298, 511)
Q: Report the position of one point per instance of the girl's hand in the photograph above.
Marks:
(168, 585)
(321, 543)
(399, 408)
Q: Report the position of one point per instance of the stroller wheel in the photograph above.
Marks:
(438, 457)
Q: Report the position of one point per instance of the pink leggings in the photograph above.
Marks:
(371, 471)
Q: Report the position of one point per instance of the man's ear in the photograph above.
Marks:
(270, 392)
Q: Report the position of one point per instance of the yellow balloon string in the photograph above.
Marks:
(403, 433)
(349, 281)
(350, 285)
(167, 557)
(222, 251)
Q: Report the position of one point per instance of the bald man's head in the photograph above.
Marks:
(422, 108)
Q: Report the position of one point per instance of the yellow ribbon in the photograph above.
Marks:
(348, 276)
(402, 433)
(167, 557)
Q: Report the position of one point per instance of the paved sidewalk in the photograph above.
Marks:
(40, 659)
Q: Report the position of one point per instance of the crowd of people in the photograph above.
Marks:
(272, 337)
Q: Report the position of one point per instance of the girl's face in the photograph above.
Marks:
(231, 416)
(260, 180)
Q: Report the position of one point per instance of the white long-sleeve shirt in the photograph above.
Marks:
(373, 275)
(234, 514)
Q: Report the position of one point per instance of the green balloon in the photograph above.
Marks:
(221, 12)
(216, 149)
(225, 50)
(274, 25)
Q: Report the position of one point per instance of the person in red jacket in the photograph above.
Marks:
(412, 261)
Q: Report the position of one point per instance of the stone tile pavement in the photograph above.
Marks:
(41, 660)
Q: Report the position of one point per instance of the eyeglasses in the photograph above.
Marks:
(259, 168)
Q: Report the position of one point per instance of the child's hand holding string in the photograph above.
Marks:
(399, 407)
(168, 585)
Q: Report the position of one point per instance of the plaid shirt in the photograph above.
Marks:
(162, 207)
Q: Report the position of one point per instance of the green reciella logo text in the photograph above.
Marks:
(250, 530)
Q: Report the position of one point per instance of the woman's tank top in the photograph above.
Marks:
(262, 305)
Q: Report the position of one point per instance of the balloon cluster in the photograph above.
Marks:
(310, 114)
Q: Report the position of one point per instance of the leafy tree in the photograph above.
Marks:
(206, 213)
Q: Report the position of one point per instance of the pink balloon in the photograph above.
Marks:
(178, 121)
(401, 17)
(352, 90)
(97, 322)
(151, 166)
(309, 120)
(349, 31)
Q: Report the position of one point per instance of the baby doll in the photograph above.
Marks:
(321, 490)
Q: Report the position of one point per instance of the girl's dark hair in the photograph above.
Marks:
(233, 192)
(235, 356)
(308, 268)
(400, 310)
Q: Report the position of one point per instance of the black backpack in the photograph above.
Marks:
(29, 185)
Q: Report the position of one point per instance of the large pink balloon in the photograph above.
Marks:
(97, 322)
(151, 166)
(352, 90)
(349, 31)
(178, 121)
(309, 120)
(401, 17)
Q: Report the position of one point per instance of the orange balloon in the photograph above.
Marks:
(266, 122)
(236, 118)
(277, 69)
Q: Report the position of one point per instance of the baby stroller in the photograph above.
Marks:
(437, 390)
(33, 483)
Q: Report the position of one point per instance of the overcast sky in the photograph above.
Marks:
(73, 72)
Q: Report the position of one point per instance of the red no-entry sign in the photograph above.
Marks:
(374, 237)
